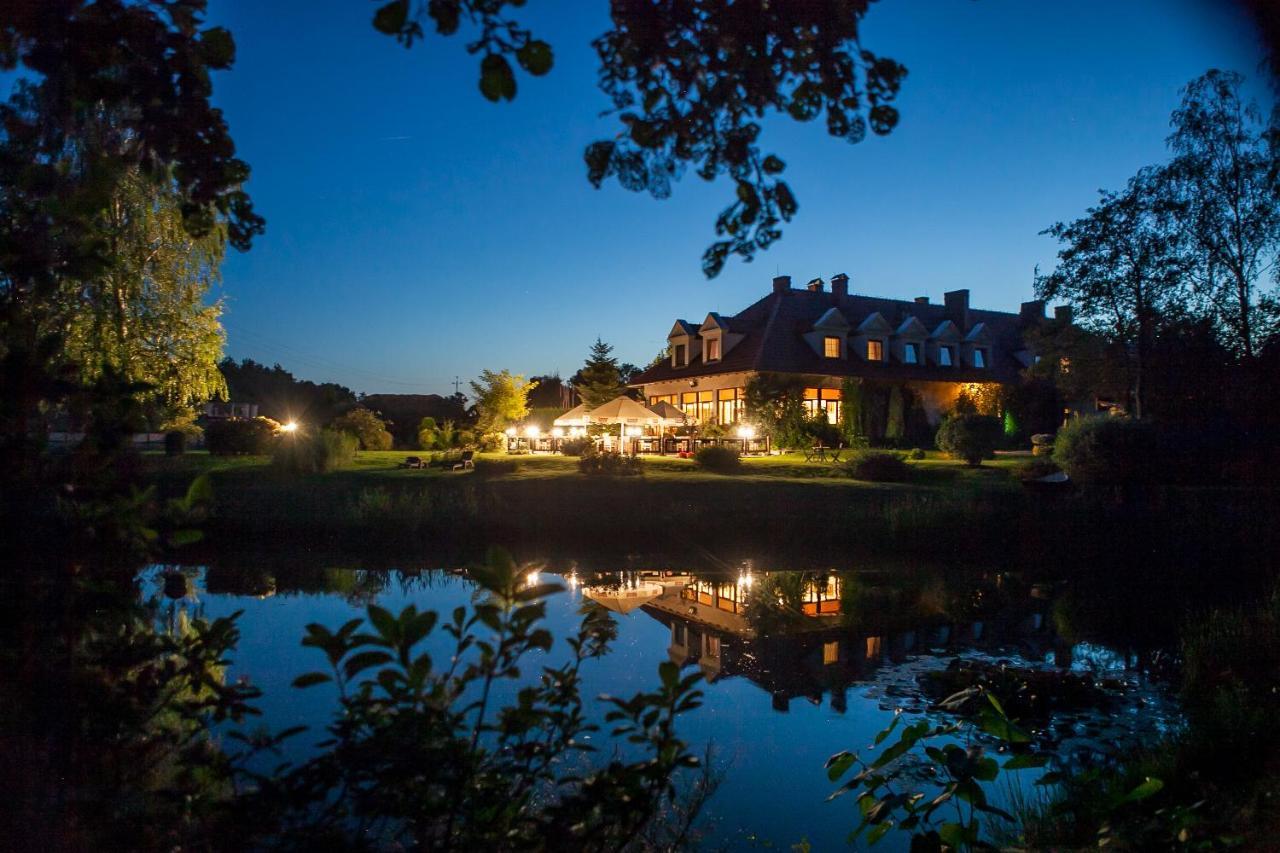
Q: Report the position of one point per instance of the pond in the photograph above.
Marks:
(798, 665)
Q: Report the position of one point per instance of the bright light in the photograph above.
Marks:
(746, 432)
(634, 431)
(746, 580)
(532, 431)
(511, 432)
(291, 426)
(558, 432)
(531, 579)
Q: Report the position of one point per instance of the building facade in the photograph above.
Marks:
(931, 352)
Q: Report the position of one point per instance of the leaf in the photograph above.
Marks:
(383, 621)
(218, 48)
(199, 492)
(1146, 789)
(390, 19)
(772, 165)
(535, 57)
(180, 538)
(362, 661)
(1026, 761)
(884, 733)
(878, 831)
(311, 679)
(839, 764)
(986, 770)
(497, 81)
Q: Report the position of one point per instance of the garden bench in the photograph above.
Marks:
(413, 462)
(465, 461)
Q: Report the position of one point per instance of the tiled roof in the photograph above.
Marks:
(774, 329)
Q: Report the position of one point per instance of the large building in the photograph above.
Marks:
(930, 351)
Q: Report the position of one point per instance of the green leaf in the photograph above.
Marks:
(986, 770)
(839, 764)
(1146, 789)
(199, 492)
(669, 673)
(497, 81)
(218, 47)
(884, 733)
(1026, 762)
(878, 831)
(772, 165)
(180, 538)
(362, 661)
(535, 57)
(390, 18)
(383, 622)
(311, 679)
(953, 835)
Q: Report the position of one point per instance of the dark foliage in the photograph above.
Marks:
(610, 465)
(877, 466)
(404, 413)
(314, 453)
(970, 437)
(1107, 451)
(283, 397)
(718, 459)
(240, 436)
(576, 446)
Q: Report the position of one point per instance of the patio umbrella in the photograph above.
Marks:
(624, 412)
(625, 599)
(575, 417)
(671, 415)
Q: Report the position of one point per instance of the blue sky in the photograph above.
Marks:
(416, 232)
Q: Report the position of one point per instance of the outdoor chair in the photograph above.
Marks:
(467, 460)
(413, 462)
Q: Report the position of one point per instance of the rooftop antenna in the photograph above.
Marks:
(457, 383)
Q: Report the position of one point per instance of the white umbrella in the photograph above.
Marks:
(625, 412)
(625, 599)
(671, 415)
(575, 417)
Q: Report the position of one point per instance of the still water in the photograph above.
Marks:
(821, 667)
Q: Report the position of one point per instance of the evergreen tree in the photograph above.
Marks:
(599, 380)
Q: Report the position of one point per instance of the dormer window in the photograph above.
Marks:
(713, 349)
(944, 356)
(875, 351)
(680, 359)
(910, 354)
(831, 347)
(979, 358)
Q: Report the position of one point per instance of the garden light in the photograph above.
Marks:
(511, 432)
(746, 432)
(291, 426)
(557, 432)
(532, 431)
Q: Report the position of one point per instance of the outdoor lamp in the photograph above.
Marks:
(291, 426)
(558, 432)
(531, 431)
(746, 432)
(634, 431)
(511, 432)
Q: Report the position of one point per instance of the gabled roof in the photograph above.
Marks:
(875, 322)
(714, 321)
(978, 334)
(773, 339)
(833, 319)
(682, 327)
(912, 327)
(946, 331)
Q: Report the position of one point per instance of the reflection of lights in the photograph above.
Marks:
(291, 426)
(746, 432)
(511, 432)
(531, 579)
(532, 431)
(558, 432)
(573, 580)
(746, 580)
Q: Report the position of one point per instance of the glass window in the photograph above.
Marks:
(831, 347)
(944, 356)
(689, 403)
(875, 351)
(713, 349)
(706, 406)
(910, 355)
(727, 405)
(680, 362)
(979, 358)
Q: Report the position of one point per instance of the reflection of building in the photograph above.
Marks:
(820, 653)
(220, 410)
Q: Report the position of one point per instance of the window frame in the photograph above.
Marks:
(711, 343)
(910, 353)
(827, 342)
(878, 346)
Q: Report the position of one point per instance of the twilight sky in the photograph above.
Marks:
(416, 231)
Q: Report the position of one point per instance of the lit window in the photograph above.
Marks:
(680, 362)
(713, 349)
(831, 347)
(944, 356)
(909, 354)
(875, 351)
(979, 358)
(1064, 365)
(831, 653)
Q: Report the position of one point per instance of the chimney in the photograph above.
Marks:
(1032, 311)
(781, 283)
(1062, 313)
(922, 300)
(957, 302)
(840, 285)
(815, 285)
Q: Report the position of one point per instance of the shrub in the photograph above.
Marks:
(576, 446)
(175, 442)
(368, 428)
(878, 466)
(917, 454)
(1106, 451)
(497, 467)
(315, 454)
(238, 436)
(970, 437)
(720, 460)
(1036, 469)
(492, 442)
(610, 465)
